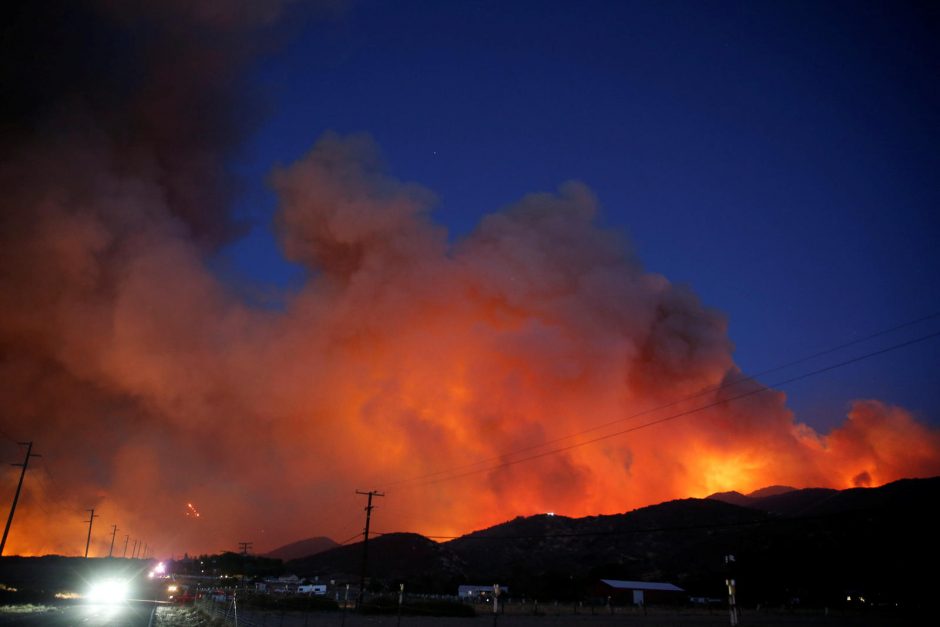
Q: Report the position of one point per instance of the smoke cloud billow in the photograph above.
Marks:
(148, 385)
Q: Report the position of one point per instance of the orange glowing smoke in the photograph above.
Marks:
(402, 356)
(141, 377)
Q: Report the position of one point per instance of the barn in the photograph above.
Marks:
(639, 592)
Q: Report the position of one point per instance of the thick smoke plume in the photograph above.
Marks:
(148, 385)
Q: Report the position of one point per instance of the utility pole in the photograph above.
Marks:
(91, 519)
(365, 544)
(113, 533)
(19, 486)
(134, 552)
(126, 538)
(496, 592)
(732, 590)
(143, 553)
(244, 547)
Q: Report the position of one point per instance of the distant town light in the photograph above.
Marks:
(549, 513)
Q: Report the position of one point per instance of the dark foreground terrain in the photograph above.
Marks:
(209, 614)
(520, 615)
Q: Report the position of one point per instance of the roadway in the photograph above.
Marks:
(127, 614)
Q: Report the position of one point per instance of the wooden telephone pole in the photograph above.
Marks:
(19, 487)
(365, 543)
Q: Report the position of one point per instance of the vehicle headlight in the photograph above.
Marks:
(108, 591)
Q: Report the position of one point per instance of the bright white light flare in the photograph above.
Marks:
(108, 591)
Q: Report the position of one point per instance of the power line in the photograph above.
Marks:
(45, 489)
(7, 436)
(707, 391)
(760, 389)
(770, 519)
(55, 482)
(350, 539)
(61, 497)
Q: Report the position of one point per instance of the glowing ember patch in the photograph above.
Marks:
(191, 511)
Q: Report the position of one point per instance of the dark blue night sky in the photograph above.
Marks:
(779, 158)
